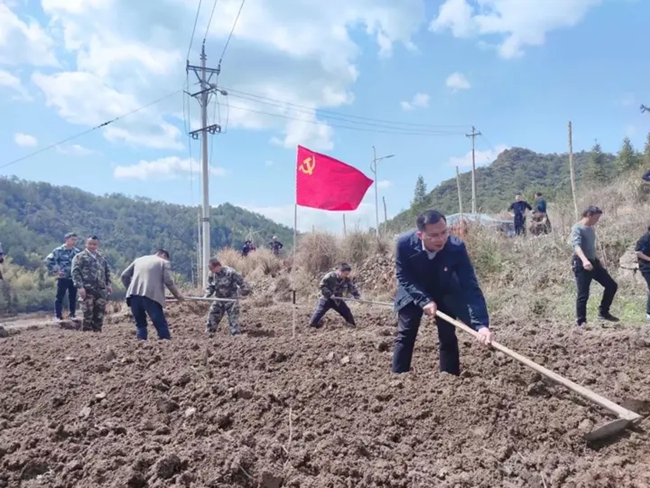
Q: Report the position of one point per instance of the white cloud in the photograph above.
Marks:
(482, 158)
(164, 168)
(13, 82)
(25, 140)
(518, 23)
(420, 100)
(383, 184)
(457, 81)
(124, 55)
(320, 220)
(84, 98)
(24, 41)
(74, 150)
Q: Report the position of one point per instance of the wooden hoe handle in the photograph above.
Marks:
(574, 387)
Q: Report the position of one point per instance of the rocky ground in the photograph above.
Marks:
(318, 410)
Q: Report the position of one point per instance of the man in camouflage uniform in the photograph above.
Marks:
(224, 282)
(59, 264)
(92, 278)
(332, 287)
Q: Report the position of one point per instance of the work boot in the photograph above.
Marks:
(608, 317)
(581, 324)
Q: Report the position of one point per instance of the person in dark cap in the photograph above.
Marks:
(59, 264)
(434, 272)
(587, 267)
(145, 280)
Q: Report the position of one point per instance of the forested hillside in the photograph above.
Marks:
(522, 170)
(35, 216)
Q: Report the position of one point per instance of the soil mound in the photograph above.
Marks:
(376, 275)
(321, 410)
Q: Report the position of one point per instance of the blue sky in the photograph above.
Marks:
(517, 70)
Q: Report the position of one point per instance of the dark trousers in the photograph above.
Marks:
(646, 275)
(583, 281)
(324, 305)
(142, 306)
(408, 324)
(520, 225)
(64, 285)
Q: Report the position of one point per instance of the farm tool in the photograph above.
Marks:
(626, 418)
(203, 299)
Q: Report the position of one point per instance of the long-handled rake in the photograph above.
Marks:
(203, 299)
(626, 418)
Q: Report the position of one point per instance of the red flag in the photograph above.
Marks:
(328, 184)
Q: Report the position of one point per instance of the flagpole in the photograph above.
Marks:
(295, 247)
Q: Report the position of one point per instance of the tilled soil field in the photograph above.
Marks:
(321, 410)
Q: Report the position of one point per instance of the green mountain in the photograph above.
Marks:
(34, 217)
(514, 170)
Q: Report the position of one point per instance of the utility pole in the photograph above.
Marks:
(199, 256)
(204, 75)
(373, 168)
(573, 179)
(473, 136)
(345, 229)
(385, 213)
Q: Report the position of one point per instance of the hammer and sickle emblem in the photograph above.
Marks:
(308, 165)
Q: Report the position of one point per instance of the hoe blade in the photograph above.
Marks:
(608, 430)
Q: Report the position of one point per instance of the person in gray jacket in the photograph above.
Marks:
(587, 267)
(145, 280)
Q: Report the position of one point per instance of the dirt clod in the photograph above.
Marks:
(321, 409)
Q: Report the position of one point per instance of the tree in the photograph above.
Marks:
(420, 193)
(596, 171)
(646, 153)
(627, 157)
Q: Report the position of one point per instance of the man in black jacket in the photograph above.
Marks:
(643, 254)
(434, 272)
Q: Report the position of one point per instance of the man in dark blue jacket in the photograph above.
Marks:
(434, 272)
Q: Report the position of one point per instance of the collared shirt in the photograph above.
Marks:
(430, 254)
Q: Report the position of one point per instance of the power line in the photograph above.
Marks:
(397, 131)
(207, 29)
(88, 131)
(196, 20)
(234, 24)
(272, 101)
(351, 119)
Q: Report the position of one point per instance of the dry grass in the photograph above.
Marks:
(259, 262)
(527, 279)
(524, 279)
